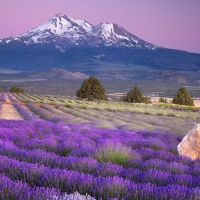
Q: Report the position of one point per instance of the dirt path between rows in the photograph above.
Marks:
(8, 111)
(7, 98)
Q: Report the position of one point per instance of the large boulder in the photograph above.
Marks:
(190, 145)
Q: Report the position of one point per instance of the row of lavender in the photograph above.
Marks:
(125, 120)
(22, 110)
(105, 119)
(27, 115)
(42, 160)
(2, 99)
(3, 96)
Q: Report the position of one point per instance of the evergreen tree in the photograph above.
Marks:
(162, 100)
(183, 97)
(92, 89)
(16, 89)
(135, 96)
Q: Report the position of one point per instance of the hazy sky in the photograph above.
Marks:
(169, 23)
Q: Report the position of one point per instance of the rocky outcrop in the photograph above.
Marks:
(190, 145)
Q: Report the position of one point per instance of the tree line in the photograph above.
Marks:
(92, 89)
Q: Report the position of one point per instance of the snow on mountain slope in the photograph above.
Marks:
(85, 25)
(114, 35)
(60, 25)
(60, 30)
(64, 33)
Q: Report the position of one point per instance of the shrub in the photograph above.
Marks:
(83, 107)
(147, 113)
(171, 115)
(68, 106)
(16, 89)
(92, 89)
(159, 114)
(109, 109)
(114, 152)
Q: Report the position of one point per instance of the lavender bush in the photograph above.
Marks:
(74, 196)
(114, 152)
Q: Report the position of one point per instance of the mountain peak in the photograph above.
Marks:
(60, 15)
(114, 35)
(59, 27)
(104, 29)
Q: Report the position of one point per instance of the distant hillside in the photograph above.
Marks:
(169, 76)
(158, 75)
(59, 73)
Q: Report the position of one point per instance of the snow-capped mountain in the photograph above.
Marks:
(60, 30)
(64, 33)
(114, 35)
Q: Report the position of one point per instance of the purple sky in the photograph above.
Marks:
(169, 23)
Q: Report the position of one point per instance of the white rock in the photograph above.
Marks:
(190, 145)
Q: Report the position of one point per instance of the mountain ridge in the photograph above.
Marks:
(65, 33)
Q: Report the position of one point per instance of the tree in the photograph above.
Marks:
(183, 97)
(16, 89)
(162, 100)
(135, 96)
(92, 89)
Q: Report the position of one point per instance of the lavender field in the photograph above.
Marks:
(71, 149)
(112, 115)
